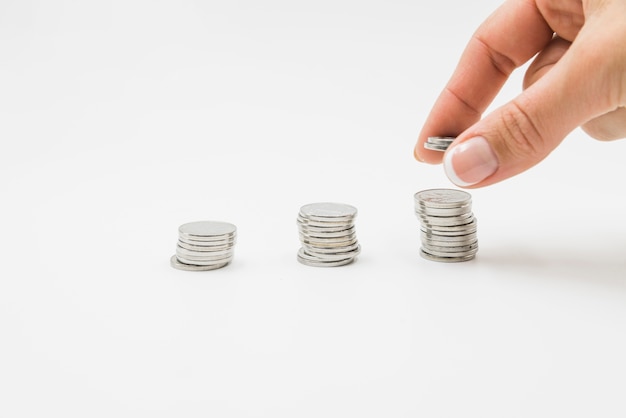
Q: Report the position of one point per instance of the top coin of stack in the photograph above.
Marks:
(438, 143)
(327, 234)
(204, 245)
(448, 230)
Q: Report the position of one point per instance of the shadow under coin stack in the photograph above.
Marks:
(204, 245)
(327, 234)
(448, 230)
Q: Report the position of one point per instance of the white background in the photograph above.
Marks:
(121, 120)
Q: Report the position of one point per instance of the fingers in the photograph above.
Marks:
(545, 60)
(609, 126)
(523, 132)
(506, 40)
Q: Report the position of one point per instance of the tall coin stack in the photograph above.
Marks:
(327, 234)
(448, 226)
(204, 245)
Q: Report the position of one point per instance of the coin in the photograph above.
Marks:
(440, 140)
(203, 248)
(320, 262)
(425, 210)
(328, 243)
(445, 251)
(190, 267)
(448, 226)
(204, 245)
(466, 228)
(327, 257)
(206, 229)
(339, 225)
(221, 261)
(332, 250)
(454, 259)
(443, 198)
(434, 147)
(328, 211)
(447, 238)
(327, 234)
(457, 220)
(438, 143)
(204, 255)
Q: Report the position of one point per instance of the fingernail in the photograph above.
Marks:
(470, 162)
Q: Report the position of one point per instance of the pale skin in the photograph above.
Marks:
(577, 78)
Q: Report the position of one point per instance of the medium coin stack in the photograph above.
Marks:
(327, 234)
(438, 143)
(448, 226)
(204, 245)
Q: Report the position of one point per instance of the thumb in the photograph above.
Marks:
(515, 137)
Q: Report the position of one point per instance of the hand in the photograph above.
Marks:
(578, 78)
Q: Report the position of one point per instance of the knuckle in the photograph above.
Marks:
(521, 137)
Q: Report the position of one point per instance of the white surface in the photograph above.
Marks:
(121, 120)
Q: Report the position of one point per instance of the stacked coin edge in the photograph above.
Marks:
(448, 227)
(438, 143)
(327, 234)
(204, 245)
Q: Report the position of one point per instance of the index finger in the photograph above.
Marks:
(512, 35)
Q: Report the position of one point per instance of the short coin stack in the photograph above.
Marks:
(438, 143)
(204, 245)
(327, 234)
(448, 230)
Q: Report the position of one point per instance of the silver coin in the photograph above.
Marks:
(335, 250)
(430, 247)
(326, 232)
(446, 220)
(184, 260)
(331, 239)
(208, 243)
(216, 240)
(202, 230)
(204, 256)
(438, 143)
(202, 248)
(443, 229)
(190, 267)
(324, 257)
(318, 236)
(323, 224)
(339, 257)
(435, 147)
(441, 140)
(439, 232)
(448, 233)
(190, 253)
(448, 238)
(203, 260)
(450, 244)
(448, 253)
(425, 210)
(328, 211)
(330, 245)
(455, 259)
(193, 259)
(331, 257)
(313, 262)
(443, 198)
